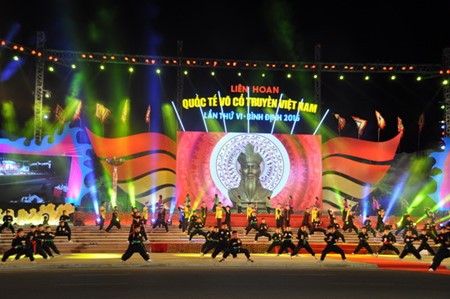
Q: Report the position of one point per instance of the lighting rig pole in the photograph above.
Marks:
(446, 92)
(318, 81)
(180, 79)
(39, 88)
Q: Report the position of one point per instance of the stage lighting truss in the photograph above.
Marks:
(71, 58)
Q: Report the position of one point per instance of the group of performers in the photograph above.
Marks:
(312, 223)
(220, 238)
(38, 240)
(141, 217)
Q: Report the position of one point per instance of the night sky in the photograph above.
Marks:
(348, 31)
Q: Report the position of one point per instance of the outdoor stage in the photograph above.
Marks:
(303, 262)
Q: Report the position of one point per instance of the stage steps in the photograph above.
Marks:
(89, 239)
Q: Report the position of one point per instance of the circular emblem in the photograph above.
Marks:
(225, 168)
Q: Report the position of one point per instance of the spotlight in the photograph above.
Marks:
(263, 75)
(213, 73)
(102, 67)
(341, 77)
(367, 78)
(73, 66)
(185, 72)
(239, 74)
(419, 78)
(158, 71)
(288, 76)
(51, 69)
(45, 116)
(130, 70)
(441, 145)
(445, 82)
(16, 58)
(393, 77)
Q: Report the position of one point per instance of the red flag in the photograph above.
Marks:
(101, 112)
(77, 113)
(400, 126)
(380, 120)
(147, 115)
(59, 113)
(341, 122)
(421, 122)
(360, 124)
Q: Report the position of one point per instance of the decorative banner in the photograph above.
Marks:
(341, 122)
(251, 165)
(149, 167)
(360, 124)
(101, 112)
(421, 122)
(400, 127)
(147, 115)
(380, 120)
(59, 114)
(350, 165)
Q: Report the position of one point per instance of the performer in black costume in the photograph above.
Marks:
(235, 247)
(277, 237)
(115, 220)
(7, 222)
(263, 230)
(19, 247)
(443, 238)
(388, 240)
(363, 237)
(409, 245)
(331, 238)
(423, 238)
(136, 244)
(303, 236)
(287, 241)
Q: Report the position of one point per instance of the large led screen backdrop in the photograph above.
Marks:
(255, 166)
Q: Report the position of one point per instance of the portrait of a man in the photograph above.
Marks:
(250, 188)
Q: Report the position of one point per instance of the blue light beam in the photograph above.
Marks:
(178, 116)
(321, 121)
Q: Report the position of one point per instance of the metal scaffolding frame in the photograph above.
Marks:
(446, 92)
(67, 58)
(39, 88)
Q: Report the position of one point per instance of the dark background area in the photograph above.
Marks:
(348, 31)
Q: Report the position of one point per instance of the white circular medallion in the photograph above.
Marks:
(225, 168)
